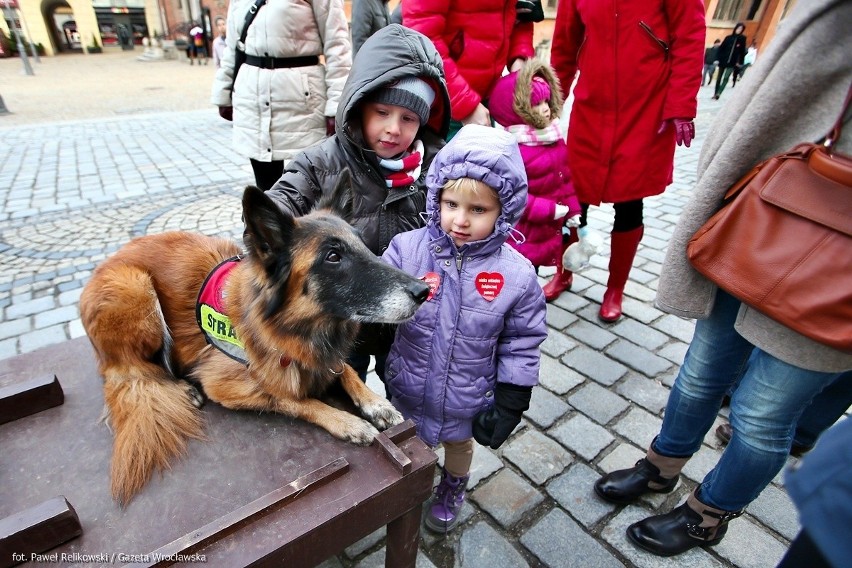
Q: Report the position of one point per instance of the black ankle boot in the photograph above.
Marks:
(627, 485)
(685, 527)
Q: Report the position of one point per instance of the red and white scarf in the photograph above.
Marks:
(526, 134)
(406, 169)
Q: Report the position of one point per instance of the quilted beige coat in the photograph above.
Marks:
(278, 112)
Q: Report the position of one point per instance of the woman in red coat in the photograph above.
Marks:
(639, 66)
(476, 40)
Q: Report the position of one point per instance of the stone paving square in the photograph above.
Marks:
(507, 497)
(146, 153)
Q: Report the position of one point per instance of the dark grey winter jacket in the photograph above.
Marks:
(378, 213)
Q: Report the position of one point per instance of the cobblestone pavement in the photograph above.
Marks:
(73, 191)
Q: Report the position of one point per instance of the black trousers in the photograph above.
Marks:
(628, 215)
(267, 173)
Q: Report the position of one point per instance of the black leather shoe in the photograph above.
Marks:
(669, 534)
(724, 433)
(627, 485)
(685, 527)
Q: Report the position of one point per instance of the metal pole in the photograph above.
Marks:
(21, 50)
(3, 109)
(33, 49)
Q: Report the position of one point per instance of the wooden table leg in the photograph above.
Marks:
(403, 538)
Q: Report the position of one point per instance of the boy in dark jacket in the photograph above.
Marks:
(396, 83)
(731, 56)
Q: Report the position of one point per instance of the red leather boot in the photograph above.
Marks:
(563, 279)
(623, 247)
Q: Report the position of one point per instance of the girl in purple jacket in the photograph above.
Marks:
(465, 365)
(528, 104)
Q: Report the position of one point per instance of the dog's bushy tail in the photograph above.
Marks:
(153, 417)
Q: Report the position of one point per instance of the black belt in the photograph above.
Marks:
(281, 62)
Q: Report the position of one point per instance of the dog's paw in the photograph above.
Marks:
(196, 397)
(382, 414)
(360, 432)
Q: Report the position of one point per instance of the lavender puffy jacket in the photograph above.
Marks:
(445, 362)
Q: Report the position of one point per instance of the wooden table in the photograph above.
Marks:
(263, 490)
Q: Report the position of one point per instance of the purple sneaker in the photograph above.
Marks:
(446, 505)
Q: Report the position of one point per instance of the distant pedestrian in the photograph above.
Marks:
(368, 17)
(748, 61)
(731, 56)
(198, 45)
(711, 62)
(219, 44)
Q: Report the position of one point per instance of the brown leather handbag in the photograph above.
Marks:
(782, 241)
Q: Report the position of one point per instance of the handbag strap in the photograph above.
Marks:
(834, 134)
(252, 12)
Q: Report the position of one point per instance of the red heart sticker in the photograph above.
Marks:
(489, 284)
(433, 279)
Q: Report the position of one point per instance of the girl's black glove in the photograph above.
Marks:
(493, 426)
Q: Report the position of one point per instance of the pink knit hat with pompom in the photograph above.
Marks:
(539, 91)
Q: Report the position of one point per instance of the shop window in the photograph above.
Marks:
(737, 10)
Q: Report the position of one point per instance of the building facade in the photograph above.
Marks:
(67, 26)
(62, 26)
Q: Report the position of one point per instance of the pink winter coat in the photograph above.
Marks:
(547, 165)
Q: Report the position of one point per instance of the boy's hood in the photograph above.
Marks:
(486, 154)
(391, 53)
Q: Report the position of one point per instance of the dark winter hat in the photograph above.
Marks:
(410, 92)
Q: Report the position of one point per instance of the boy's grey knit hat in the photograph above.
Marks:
(412, 93)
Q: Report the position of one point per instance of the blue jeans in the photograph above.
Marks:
(765, 407)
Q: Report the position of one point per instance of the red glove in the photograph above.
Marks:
(684, 130)
(226, 112)
(329, 126)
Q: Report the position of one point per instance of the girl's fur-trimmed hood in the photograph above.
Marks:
(509, 103)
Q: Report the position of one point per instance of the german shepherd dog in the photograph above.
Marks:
(294, 302)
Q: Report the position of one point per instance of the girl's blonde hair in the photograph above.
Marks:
(468, 185)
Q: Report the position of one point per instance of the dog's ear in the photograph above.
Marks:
(268, 234)
(339, 200)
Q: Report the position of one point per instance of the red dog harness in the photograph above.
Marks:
(210, 312)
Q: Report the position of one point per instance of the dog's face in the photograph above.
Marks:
(319, 267)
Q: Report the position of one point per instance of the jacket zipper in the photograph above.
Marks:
(459, 259)
(731, 52)
(663, 45)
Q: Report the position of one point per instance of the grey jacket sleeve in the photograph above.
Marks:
(362, 24)
(297, 190)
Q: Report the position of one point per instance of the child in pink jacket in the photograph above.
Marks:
(528, 103)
